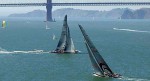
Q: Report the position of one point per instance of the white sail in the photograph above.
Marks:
(70, 47)
(3, 24)
(54, 37)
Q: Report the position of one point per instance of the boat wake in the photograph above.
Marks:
(130, 30)
(35, 51)
(4, 51)
(132, 79)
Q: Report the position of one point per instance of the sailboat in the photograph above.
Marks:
(54, 37)
(3, 24)
(65, 44)
(47, 26)
(100, 66)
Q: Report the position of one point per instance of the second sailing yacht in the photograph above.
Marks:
(100, 66)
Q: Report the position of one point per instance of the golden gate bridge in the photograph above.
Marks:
(49, 5)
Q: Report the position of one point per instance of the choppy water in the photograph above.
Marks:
(124, 44)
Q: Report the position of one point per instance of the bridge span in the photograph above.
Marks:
(78, 4)
(49, 5)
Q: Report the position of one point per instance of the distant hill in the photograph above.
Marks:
(123, 13)
(35, 13)
(127, 14)
(115, 13)
(143, 13)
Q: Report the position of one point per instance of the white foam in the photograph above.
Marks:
(34, 51)
(4, 51)
(133, 79)
(130, 30)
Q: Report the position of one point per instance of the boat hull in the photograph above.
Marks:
(63, 52)
(106, 76)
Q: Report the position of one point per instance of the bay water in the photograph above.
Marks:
(124, 45)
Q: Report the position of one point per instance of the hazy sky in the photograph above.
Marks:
(4, 11)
